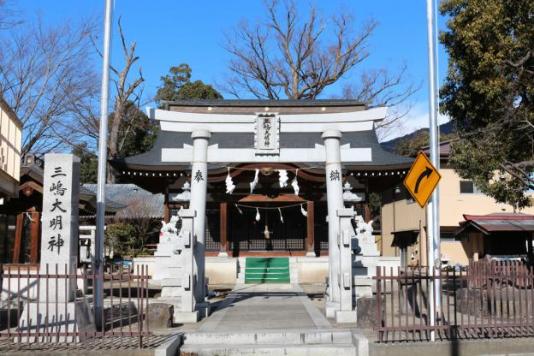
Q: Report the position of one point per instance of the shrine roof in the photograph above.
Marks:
(152, 160)
(130, 200)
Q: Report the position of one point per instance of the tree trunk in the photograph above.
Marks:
(114, 137)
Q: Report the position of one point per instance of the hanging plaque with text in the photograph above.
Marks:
(267, 136)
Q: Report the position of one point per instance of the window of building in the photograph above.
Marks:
(468, 187)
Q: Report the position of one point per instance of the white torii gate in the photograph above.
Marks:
(332, 153)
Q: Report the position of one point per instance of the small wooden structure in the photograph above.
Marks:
(498, 234)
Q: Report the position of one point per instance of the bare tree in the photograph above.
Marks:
(127, 98)
(126, 91)
(297, 56)
(289, 57)
(384, 88)
(45, 72)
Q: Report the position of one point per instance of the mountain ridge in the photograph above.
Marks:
(390, 145)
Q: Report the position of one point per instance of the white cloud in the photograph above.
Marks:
(415, 119)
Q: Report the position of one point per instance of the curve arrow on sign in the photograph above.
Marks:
(426, 173)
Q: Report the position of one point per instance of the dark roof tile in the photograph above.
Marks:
(166, 139)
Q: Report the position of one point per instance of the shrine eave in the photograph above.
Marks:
(151, 163)
(285, 106)
(261, 102)
(173, 170)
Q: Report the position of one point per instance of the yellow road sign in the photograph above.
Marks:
(422, 179)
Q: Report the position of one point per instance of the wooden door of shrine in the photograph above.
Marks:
(267, 227)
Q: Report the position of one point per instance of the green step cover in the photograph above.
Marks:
(267, 270)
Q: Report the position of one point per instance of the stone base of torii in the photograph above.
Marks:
(177, 269)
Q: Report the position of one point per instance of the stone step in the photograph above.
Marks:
(284, 279)
(271, 337)
(267, 270)
(267, 274)
(267, 262)
(274, 350)
(291, 271)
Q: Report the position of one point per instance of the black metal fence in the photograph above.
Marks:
(488, 299)
(49, 305)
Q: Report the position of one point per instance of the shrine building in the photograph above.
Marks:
(262, 169)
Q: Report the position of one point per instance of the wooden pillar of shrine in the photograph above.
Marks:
(166, 209)
(35, 227)
(34, 233)
(223, 228)
(17, 247)
(310, 227)
(367, 213)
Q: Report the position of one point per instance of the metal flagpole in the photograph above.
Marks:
(432, 209)
(102, 162)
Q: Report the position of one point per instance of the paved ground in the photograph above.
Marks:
(265, 307)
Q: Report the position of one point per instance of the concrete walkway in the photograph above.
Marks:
(270, 319)
(265, 307)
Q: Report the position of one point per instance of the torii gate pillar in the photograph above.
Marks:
(334, 195)
(199, 184)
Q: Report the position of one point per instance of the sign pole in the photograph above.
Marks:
(101, 178)
(432, 210)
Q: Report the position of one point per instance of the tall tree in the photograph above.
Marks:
(88, 163)
(177, 85)
(298, 55)
(137, 132)
(489, 93)
(383, 87)
(130, 130)
(126, 92)
(45, 73)
(290, 55)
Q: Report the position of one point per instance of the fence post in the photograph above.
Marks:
(378, 319)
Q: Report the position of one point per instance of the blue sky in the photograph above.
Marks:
(173, 32)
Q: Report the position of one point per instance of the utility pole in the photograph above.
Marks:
(432, 209)
(101, 179)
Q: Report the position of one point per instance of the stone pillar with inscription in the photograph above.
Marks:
(59, 254)
(199, 186)
(59, 235)
(334, 197)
